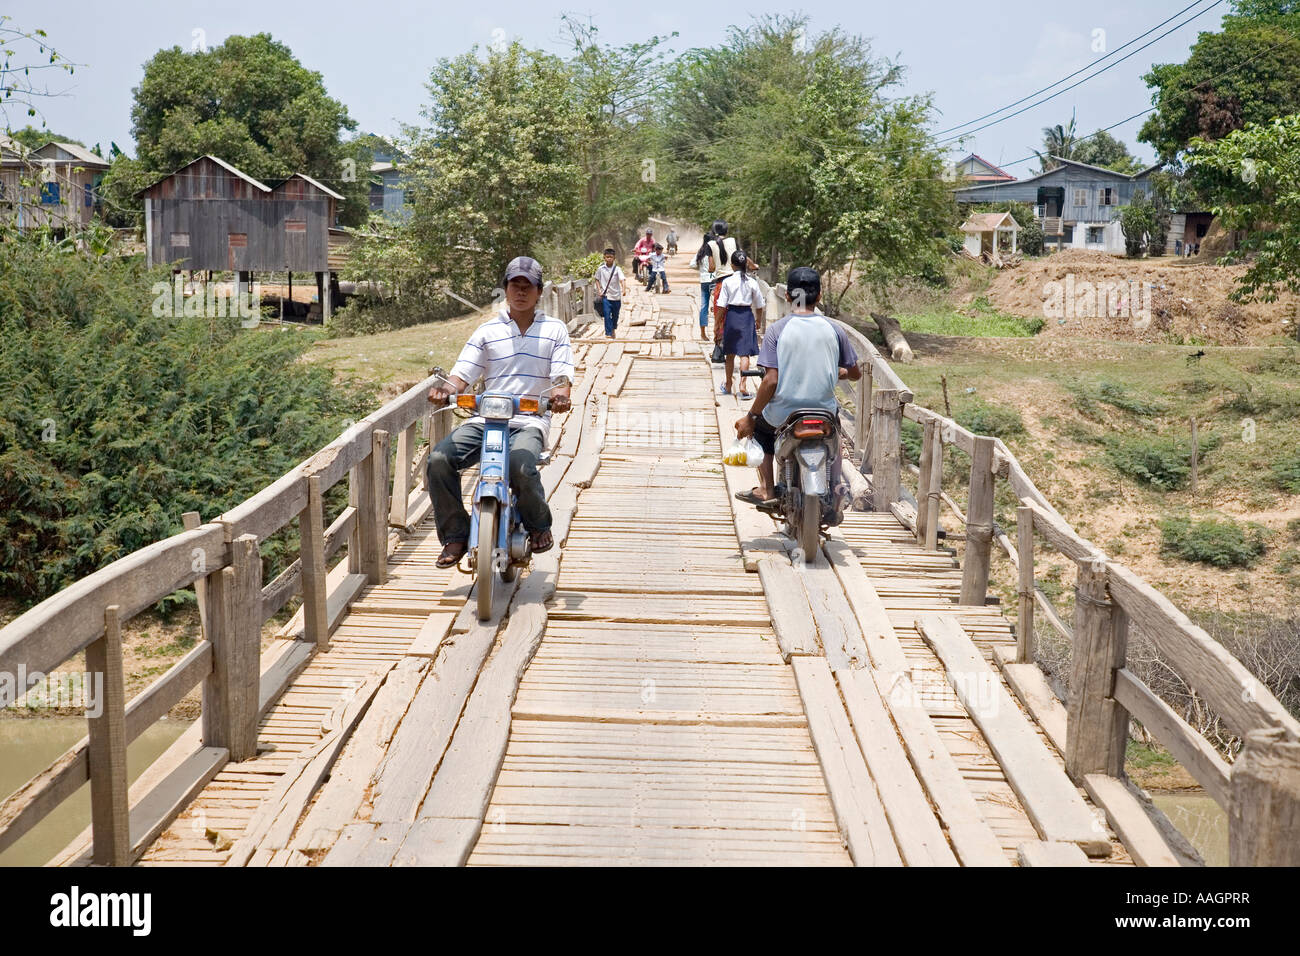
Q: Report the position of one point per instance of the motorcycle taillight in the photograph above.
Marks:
(811, 428)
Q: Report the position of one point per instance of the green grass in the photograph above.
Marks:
(401, 356)
(1142, 756)
(982, 324)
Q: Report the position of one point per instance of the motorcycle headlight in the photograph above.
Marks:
(496, 406)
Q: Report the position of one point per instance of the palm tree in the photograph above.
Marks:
(1058, 140)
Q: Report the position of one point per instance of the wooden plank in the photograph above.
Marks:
(1050, 800)
(284, 664)
(1030, 685)
(1188, 747)
(1060, 535)
(462, 787)
(886, 458)
(858, 810)
(61, 625)
(109, 809)
(837, 627)
(337, 534)
(432, 632)
(788, 605)
(1264, 815)
(933, 491)
(916, 831)
(1037, 853)
(1231, 691)
(1149, 837)
(230, 704)
(1026, 643)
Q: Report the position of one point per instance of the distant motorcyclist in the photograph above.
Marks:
(642, 252)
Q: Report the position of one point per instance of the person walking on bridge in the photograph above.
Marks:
(609, 280)
(739, 308)
(520, 351)
(719, 247)
(704, 262)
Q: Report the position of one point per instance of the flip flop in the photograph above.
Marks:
(722, 390)
(744, 396)
(750, 498)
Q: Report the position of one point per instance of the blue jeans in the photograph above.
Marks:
(612, 308)
(706, 293)
(461, 449)
(653, 273)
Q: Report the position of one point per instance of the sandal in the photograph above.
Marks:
(722, 390)
(744, 396)
(751, 497)
(452, 552)
(541, 541)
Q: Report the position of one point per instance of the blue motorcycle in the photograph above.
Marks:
(501, 543)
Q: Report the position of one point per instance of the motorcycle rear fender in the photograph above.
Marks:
(814, 468)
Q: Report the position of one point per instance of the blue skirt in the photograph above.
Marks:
(740, 333)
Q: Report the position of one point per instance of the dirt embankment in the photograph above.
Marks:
(1093, 295)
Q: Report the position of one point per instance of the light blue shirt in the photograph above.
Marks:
(808, 352)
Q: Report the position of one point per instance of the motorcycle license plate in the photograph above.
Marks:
(494, 441)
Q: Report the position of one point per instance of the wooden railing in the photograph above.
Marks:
(1260, 790)
(220, 559)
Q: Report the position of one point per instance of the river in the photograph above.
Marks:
(1201, 820)
(30, 744)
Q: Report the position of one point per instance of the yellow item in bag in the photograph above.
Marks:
(744, 453)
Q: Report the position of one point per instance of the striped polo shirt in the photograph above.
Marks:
(516, 363)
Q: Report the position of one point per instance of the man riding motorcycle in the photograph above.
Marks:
(804, 355)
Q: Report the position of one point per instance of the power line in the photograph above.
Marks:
(1071, 75)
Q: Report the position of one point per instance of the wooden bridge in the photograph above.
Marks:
(666, 687)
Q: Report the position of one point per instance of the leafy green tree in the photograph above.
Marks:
(615, 92)
(1102, 149)
(792, 139)
(1255, 172)
(1145, 221)
(34, 138)
(250, 102)
(495, 173)
(1248, 73)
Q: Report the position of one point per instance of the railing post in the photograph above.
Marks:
(886, 413)
(110, 812)
(311, 552)
(372, 510)
(934, 491)
(588, 299)
(191, 520)
(1264, 808)
(1096, 725)
(862, 421)
(1026, 649)
(979, 525)
(230, 692)
(402, 477)
(923, 480)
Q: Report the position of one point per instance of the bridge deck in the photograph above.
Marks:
(650, 717)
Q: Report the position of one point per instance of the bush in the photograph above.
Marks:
(1286, 472)
(115, 421)
(910, 436)
(1162, 463)
(1222, 543)
(996, 420)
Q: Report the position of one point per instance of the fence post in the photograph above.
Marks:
(372, 510)
(1264, 807)
(311, 552)
(979, 525)
(191, 520)
(923, 480)
(862, 420)
(885, 415)
(1026, 650)
(1096, 724)
(402, 477)
(230, 692)
(933, 493)
(110, 811)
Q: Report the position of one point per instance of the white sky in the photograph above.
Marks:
(376, 58)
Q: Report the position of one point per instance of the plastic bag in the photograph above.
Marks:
(744, 453)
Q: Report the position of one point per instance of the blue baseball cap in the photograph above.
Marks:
(530, 269)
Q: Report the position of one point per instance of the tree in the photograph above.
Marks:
(23, 52)
(34, 138)
(1059, 141)
(615, 92)
(1249, 73)
(1145, 221)
(1255, 172)
(494, 174)
(791, 138)
(1102, 149)
(250, 102)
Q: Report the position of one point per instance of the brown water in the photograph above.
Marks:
(29, 745)
(1201, 820)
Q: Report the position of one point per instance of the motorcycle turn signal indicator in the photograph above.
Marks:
(528, 405)
(467, 401)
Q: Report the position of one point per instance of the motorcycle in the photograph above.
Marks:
(671, 249)
(495, 529)
(806, 453)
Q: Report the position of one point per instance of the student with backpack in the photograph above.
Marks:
(738, 310)
(609, 285)
(704, 262)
